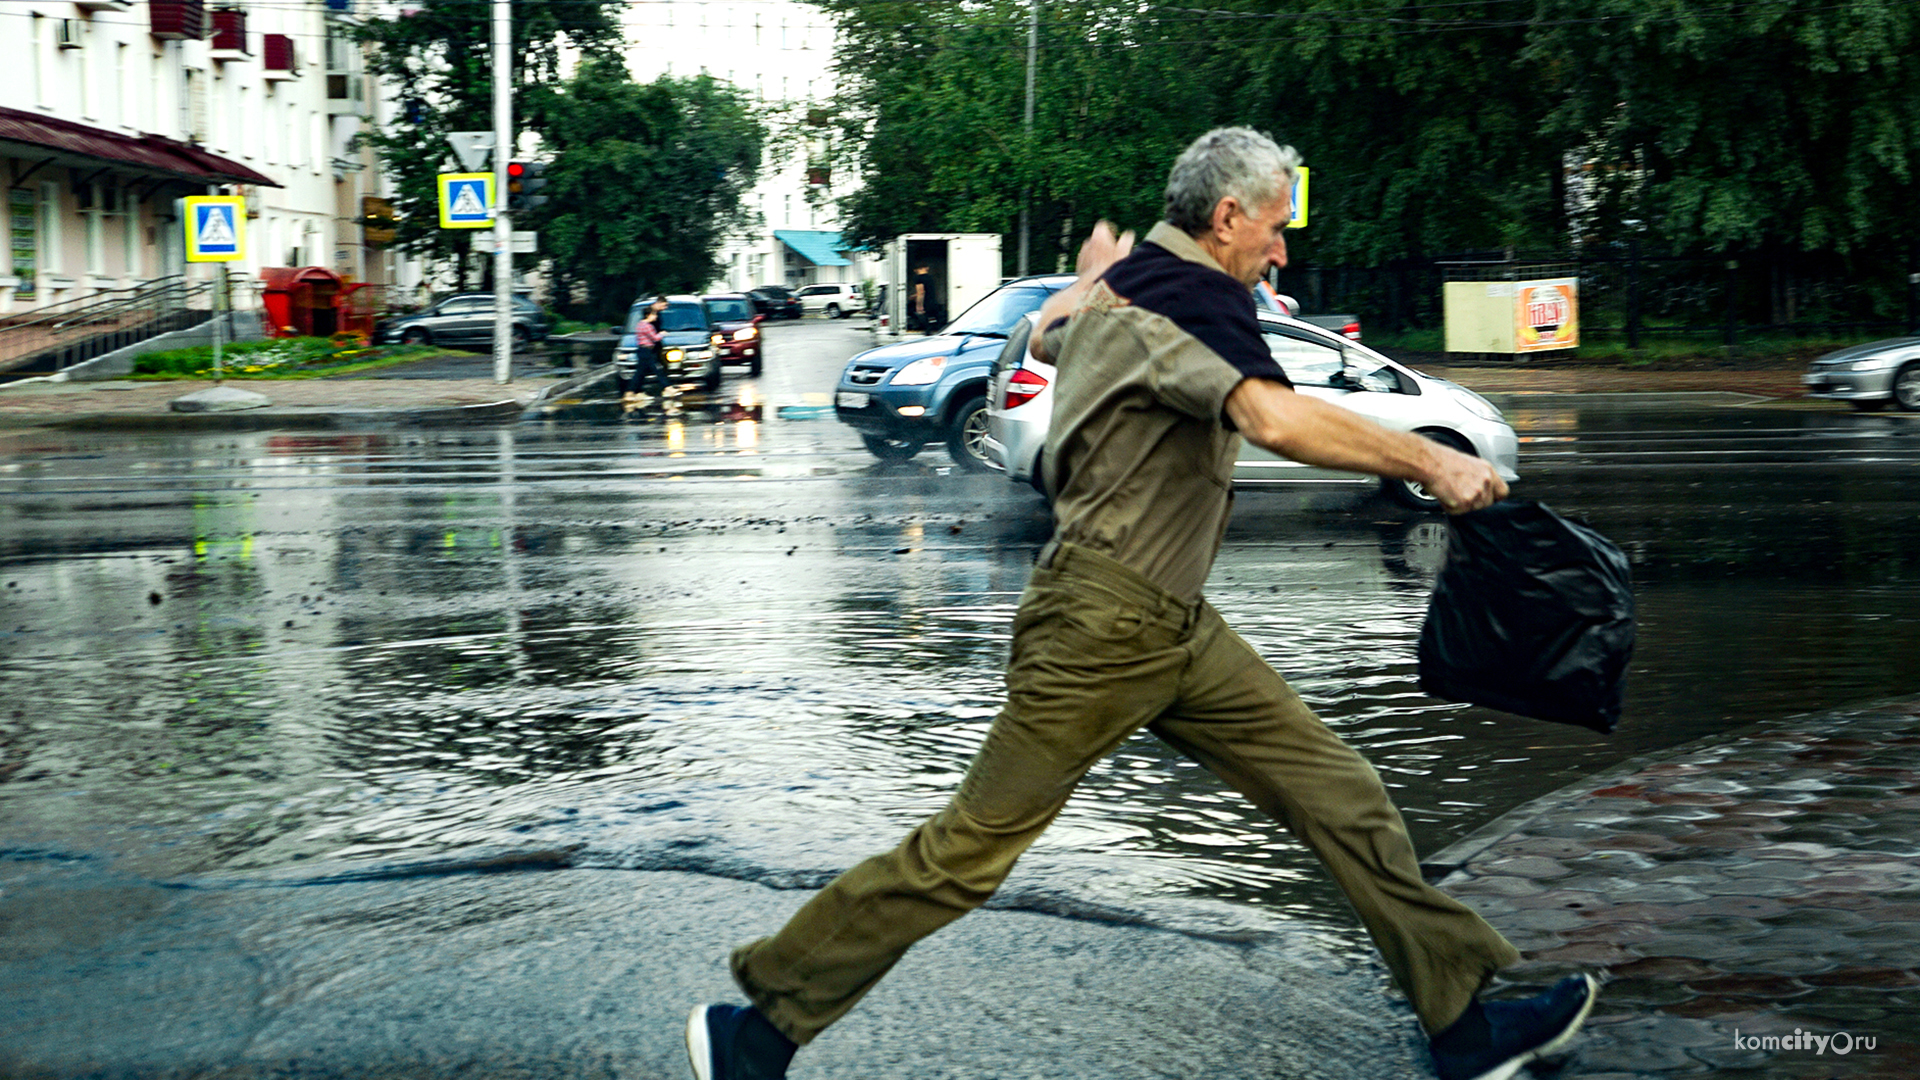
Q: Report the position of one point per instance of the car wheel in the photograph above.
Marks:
(520, 337)
(753, 365)
(1038, 477)
(712, 381)
(891, 449)
(1414, 495)
(1906, 387)
(833, 311)
(416, 336)
(967, 436)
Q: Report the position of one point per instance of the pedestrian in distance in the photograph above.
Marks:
(646, 356)
(1162, 370)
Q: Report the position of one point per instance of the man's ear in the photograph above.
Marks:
(1224, 212)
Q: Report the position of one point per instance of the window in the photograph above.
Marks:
(52, 259)
(1307, 363)
(123, 84)
(96, 213)
(36, 44)
(130, 248)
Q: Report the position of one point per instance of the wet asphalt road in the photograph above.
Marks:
(676, 664)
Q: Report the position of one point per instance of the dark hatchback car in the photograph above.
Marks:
(902, 396)
(775, 301)
(466, 319)
(736, 330)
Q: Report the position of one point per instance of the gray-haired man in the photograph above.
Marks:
(1161, 371)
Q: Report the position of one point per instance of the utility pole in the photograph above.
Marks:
(1026, 196)
(502, 223)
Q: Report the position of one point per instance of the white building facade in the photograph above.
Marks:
(115, 109)
(780, 54)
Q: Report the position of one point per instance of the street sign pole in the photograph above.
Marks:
(502, 226)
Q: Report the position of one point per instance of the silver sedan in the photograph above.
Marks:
(1868, 376)
(1320, 363)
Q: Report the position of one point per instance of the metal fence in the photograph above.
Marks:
(58, 336)
(1629, 296)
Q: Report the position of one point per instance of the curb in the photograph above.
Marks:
(1458, 854)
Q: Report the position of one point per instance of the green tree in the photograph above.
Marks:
(436, 58)
(646, 183)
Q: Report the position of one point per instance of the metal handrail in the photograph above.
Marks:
(70, 331)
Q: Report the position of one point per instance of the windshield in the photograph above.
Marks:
(679, 318)
(996, 312)
(729, 310)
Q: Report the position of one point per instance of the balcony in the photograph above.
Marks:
(345, 94)
(103, 5)
(230, 34)
(279, 60)
(177, 20)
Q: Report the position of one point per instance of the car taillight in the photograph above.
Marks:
(1022, 385)
(1351, 331)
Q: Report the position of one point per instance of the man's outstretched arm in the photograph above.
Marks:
(1315, 432)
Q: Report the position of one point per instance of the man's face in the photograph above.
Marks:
(1247, 241)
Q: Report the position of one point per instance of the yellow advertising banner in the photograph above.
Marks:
(1546, 314)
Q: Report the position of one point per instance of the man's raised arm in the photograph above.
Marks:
(1101, 250)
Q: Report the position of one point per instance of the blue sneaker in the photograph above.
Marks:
(1495, 1038)
(731, 1042)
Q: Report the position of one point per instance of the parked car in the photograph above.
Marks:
(900, 397)
(834, 299)
(775, 301)
(1869, 376)
(736, 330)
(1347, 326)
(686, 341)
(1320, 362)
(466, 319)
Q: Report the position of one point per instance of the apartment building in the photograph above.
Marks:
(116, 109)
(780, 53)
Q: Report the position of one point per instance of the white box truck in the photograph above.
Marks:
(957, 269)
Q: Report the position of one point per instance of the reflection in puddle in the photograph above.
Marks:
(254, 654)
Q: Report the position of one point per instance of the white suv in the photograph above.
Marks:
(835, 300)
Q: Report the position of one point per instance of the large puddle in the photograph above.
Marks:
(744, 652)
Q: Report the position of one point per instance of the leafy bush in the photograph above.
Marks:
(262, 358)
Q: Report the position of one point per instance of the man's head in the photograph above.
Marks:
(1232, 191)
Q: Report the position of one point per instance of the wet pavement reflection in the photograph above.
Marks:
(718, 636)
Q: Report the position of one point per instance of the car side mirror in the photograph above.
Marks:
(758, 319)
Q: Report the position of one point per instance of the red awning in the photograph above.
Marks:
(72, 143)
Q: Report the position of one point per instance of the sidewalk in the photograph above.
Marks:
(434, 391)
(1757, 885)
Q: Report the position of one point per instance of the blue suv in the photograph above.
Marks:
(688, 351)
(902, 396)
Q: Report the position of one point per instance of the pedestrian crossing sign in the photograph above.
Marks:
(216, 228)
(466, 200)
(1299, 198)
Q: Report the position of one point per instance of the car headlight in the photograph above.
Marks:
(1875, 363)
(674, 356)
(699, 354)
(746, 334)
(716, 341)
(1477, 405)
(920, 372)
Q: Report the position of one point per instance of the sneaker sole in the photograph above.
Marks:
(1507, 1068)
(699, 1051)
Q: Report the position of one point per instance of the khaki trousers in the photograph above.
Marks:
(1098, 653)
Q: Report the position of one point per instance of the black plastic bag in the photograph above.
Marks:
(1533, 615)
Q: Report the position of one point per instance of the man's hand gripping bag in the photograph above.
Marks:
(1532, 615)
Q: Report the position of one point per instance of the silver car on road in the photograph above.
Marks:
(1321, 363)
(1868, 376)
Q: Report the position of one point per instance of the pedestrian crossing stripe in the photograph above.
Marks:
(466, 200)
(216, 228)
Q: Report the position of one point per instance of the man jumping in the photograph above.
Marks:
(1162, 370)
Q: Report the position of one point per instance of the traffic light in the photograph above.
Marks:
(524, 181)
